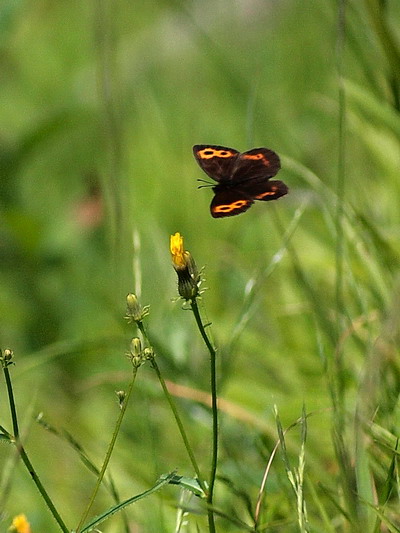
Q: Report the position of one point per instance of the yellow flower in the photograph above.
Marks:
(20, 525)
(176, 247)
(185, 267)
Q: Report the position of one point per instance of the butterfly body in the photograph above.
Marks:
(242, 177)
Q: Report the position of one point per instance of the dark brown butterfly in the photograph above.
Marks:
(242, 177)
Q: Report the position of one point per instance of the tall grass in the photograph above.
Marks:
(302, 295)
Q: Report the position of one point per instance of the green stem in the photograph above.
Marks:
(339, 380)
(109, 452)
(40, 487)
(340, 308)
(175, 413)
(213, 376)
(24, 456)
(11, 402)
(180, 425)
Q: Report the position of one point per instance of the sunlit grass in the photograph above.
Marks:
(112, 98)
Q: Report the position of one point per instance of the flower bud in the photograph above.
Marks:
(135, 352)
(121, 394)
(136, 347)
(134, 311)
(148, 354)
(6, 357)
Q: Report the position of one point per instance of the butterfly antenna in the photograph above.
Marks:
(206, 183)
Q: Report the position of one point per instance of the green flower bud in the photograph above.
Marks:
(135, 352)
(121, 394)
(134, 311)
(6, 357)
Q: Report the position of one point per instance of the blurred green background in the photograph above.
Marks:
(100, 104)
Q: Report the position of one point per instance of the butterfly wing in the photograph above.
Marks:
(264, 190)
(256, 163)
(218, 162)
(228, 202)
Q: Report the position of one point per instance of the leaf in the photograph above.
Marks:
(377, 111)
(187, 483)
(163, 480)
(4, 438)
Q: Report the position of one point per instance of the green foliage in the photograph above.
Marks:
(101, 103)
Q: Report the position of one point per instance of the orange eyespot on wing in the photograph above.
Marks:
(255, 164)
(229, 208)
(229, 202)
(256, 157)
(269, 190)
(216, 161)
(209, 153)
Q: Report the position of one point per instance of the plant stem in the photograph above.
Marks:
(339, 379)
(339, 218)
(24, 456)
(213, 377)
(174, 410)
(180, 425)
(40, 487)
(109, 452)
(11, 401)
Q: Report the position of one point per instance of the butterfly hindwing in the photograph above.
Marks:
(228, 202)
(264, 190)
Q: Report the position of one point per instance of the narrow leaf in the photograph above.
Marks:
(116, 508)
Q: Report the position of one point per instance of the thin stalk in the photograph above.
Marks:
(339, 384)
(40, 487)
(340, 194)
(213, 377)
(109, 452)
(24, 456)
(180, 425)
(11, 401)
(174, 410)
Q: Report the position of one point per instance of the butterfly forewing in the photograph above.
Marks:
(216, 161)
(256, 163)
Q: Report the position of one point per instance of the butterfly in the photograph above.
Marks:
(242, 177)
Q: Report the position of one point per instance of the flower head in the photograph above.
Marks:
(177, 252)
(185, 267)
(20, 525)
